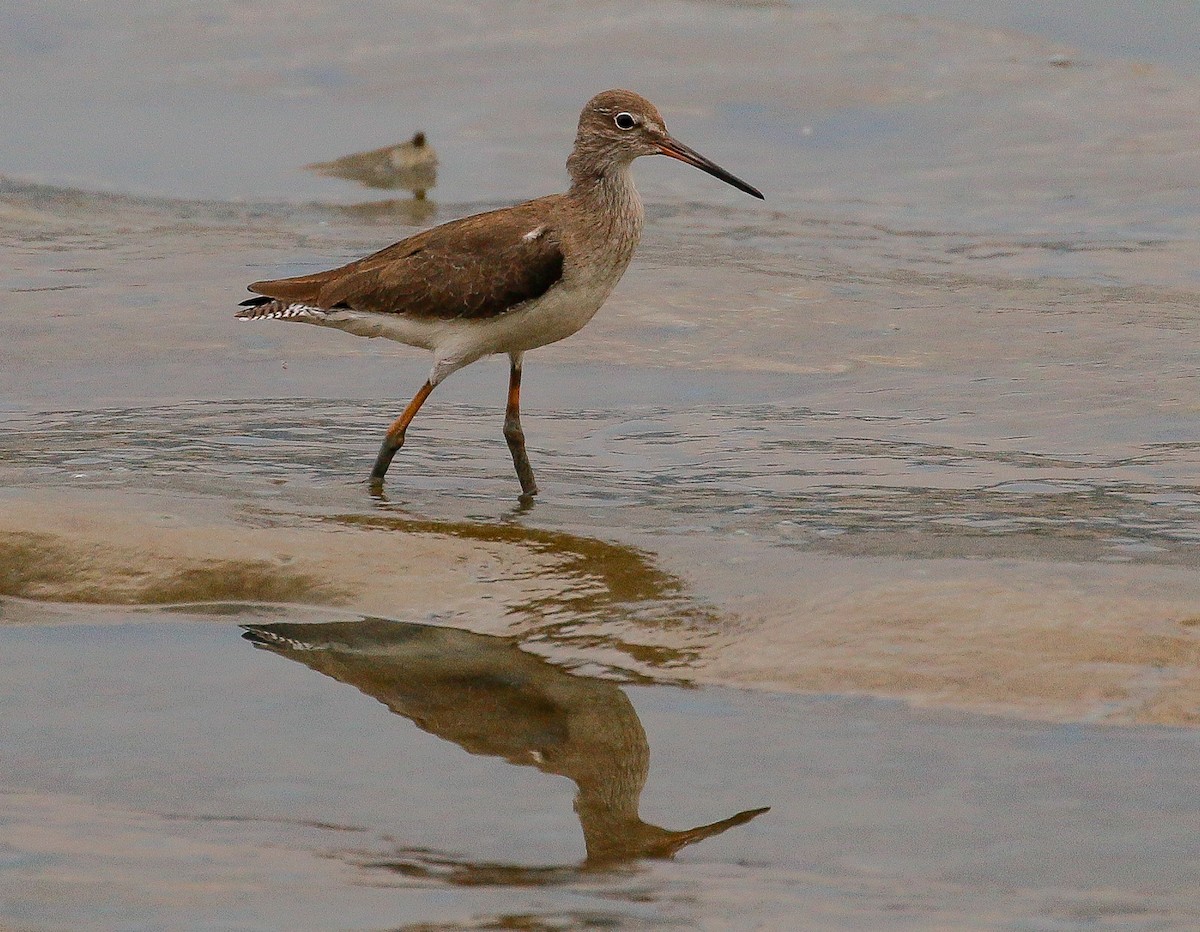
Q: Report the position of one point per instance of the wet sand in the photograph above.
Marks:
(1062, 642)
(920, 428)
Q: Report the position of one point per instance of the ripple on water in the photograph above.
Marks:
(658, 470)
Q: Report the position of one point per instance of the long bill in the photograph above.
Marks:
(677, 150)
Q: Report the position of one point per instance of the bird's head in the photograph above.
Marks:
(618, 126)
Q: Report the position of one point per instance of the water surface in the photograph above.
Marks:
(420, 776)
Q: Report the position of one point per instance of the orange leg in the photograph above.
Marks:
(395, 435)
(513, 433)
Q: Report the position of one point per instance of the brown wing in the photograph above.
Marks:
(476, 267)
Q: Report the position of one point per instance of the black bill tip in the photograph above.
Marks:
(677, 150)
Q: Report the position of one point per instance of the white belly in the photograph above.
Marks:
(556, 315)
(560, 312)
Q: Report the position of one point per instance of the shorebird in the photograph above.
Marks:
(505, 281)
(410, 165)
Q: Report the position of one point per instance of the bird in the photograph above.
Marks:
(504, 281)
(410, 165)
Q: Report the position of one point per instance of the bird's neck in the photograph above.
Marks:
(609, 199)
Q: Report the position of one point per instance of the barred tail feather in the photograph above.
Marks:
(265, 308)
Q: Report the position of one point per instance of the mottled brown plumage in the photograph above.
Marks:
(476, 267)
(506, 281)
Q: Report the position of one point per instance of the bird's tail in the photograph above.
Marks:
(266, 308)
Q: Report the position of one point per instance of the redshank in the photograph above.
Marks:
(505, 281)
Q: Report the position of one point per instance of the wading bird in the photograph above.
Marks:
(505, 281)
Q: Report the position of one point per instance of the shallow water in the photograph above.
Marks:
(290, 801)
(921, 426)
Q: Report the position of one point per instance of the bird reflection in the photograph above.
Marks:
(491, 698)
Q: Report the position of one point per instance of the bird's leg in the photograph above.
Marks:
(512, 429)
(395, 435)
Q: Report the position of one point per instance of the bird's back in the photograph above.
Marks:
(476, 267)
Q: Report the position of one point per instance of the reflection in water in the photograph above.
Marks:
(615, 605)
(413, 211)
(491, 698)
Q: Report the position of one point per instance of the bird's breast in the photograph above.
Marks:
(562, 311)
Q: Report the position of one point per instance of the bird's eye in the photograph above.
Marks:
(625, 120)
